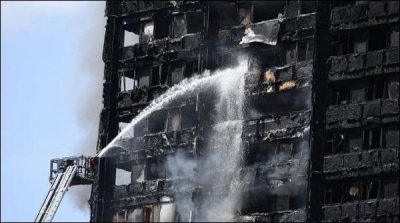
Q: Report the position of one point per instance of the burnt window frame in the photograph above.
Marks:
(245, 6)
(157, 25)
(172, 66)
(279, 150)
(333, 192)
(159, 171)
(343, 145)
(227, 11)
(389, 128)
(393, 29)
(148, 216)
(170, 115)
(142, 36)
(161, 75)
(355, 36)
(156, 120)
(273, 13)
(192, 67)
(189, 18)
(347, 185)
(121, 213)
(123, 79)
(306, 9)
(189, 117)
(342, 39)
(368, 138)
(379, 34)
(339, 94)
(376, 88)
(337, 3)
(372, 184)
(334, 144)
(360, 85)
(225, 59)
(352, 134)
(141, 72)
(304, 53)
(369, 188)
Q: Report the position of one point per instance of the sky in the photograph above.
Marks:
(51, 87)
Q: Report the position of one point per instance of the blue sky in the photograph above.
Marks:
(51, 80)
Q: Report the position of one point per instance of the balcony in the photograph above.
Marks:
(134, 7)
(363, 163)
(369, 209)
(277, 79)
(359, 65)
(162, 46)
(298, 215)
(284, 182)
(364, 14)
(355, 115)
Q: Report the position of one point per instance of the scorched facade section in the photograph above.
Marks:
(319, 129)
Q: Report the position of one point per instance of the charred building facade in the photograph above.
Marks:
(320, 124)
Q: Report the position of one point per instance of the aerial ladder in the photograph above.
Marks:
(64, 173)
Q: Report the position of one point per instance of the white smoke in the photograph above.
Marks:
(90, 103)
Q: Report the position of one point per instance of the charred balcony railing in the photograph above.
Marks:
(364, 14)
(149, 192)
(353, 115)
(163, 47)
(298, 215)
(359, 65)
(273, 124)
(138, 7)
(363, 163)
(372, 210)
(277, 79)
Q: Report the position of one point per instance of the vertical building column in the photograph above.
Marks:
(113, 41)
(102, 197)
(319, 99)
(102, 189)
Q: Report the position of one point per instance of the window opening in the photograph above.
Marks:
(394, 36)
(155, 76)
(122, 177)
(148, 31)
(359, 41)
(302, 50)
(228, 16)
(148, 212)
(376, 138)
(157, 121)
(377, 38)
(130, 38)
(194, 22)
(284, 151)
(375, 89)
(161, 28)
(190, 68)
(308, 7)
(244, 13)
(340, 43)
(267, 10)
(340, 94)
(373, 190)
(164, 74)
(174, 120)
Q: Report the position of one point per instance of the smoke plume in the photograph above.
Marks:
(90, 100)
